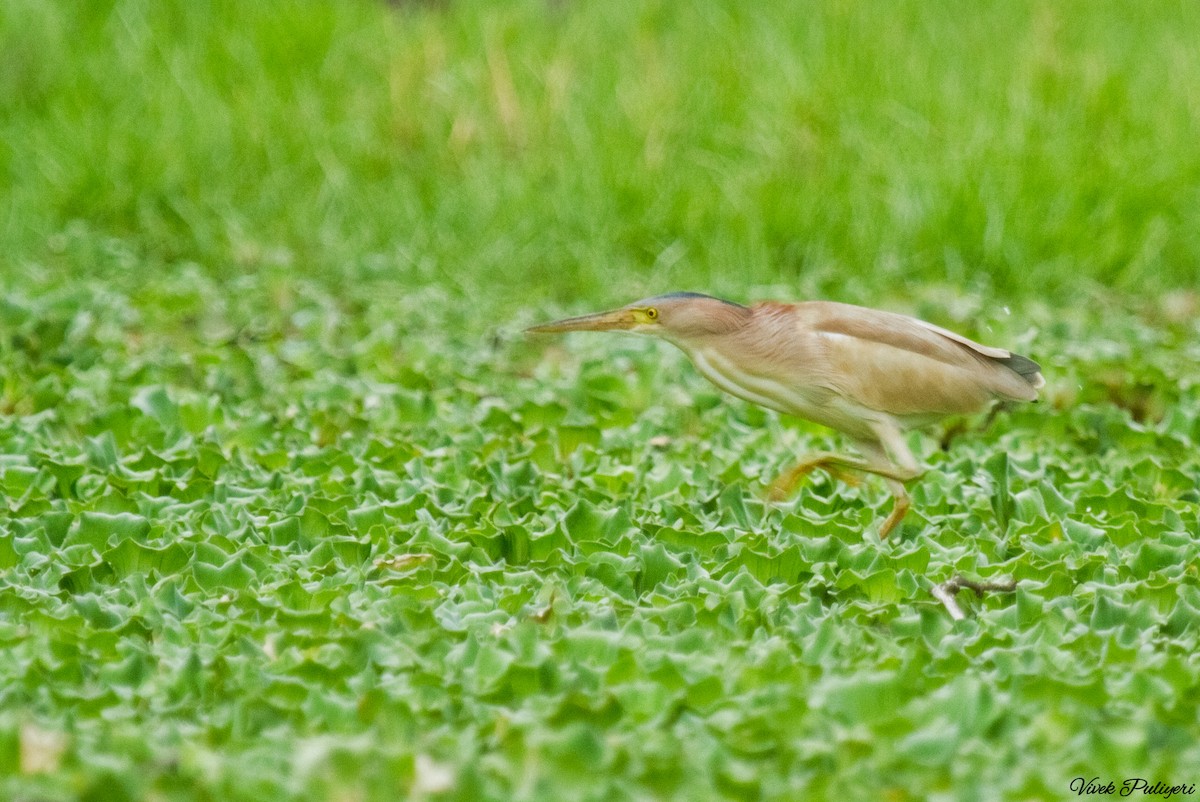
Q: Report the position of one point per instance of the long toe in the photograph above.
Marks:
(785, 484)
(782, 488)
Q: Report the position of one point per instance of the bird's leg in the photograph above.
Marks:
(963, 425)
(834, 464)
(899, 507)
(892, 454)
(831, 463)
(888, 458)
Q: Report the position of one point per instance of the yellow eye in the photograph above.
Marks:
(652, 313)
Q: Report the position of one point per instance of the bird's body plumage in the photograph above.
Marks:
(864, 372)
(848, 366)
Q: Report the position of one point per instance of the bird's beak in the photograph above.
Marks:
(615, 320)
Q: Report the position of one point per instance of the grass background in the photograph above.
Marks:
(292, 510)
(1010, 150)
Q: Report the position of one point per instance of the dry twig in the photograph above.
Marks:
(947, 591)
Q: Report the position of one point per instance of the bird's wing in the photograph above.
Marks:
(986, 350)
(903, 366)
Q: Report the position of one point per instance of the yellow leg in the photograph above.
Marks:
(785, 484)
(877, 463)
(899, 508)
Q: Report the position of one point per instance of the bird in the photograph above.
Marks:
(870, 374)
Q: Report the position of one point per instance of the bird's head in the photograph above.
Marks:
(679, 317)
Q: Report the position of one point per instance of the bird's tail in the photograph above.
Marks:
(1026, 368)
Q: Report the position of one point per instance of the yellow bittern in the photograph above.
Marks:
(869, 374)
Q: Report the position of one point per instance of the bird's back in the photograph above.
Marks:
(882, 361)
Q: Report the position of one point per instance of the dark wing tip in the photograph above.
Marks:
(1025, 367)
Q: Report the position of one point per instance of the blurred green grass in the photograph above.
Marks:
(594, 150)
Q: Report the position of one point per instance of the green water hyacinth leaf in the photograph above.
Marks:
(865, 697)
(157, 404)
(233, 573)
(100, 529)
(1003, 503)
(932, 745)
(129, 557)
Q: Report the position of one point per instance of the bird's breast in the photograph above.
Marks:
(735, 380)
(782, 394)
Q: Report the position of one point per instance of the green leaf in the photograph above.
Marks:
(657, 565)
(232, 574)
(1003, 503)
(864, 697)
(156, 403)
(99, 529)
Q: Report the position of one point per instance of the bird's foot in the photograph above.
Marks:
(779, 491)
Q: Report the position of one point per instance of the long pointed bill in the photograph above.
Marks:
(615, 320)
